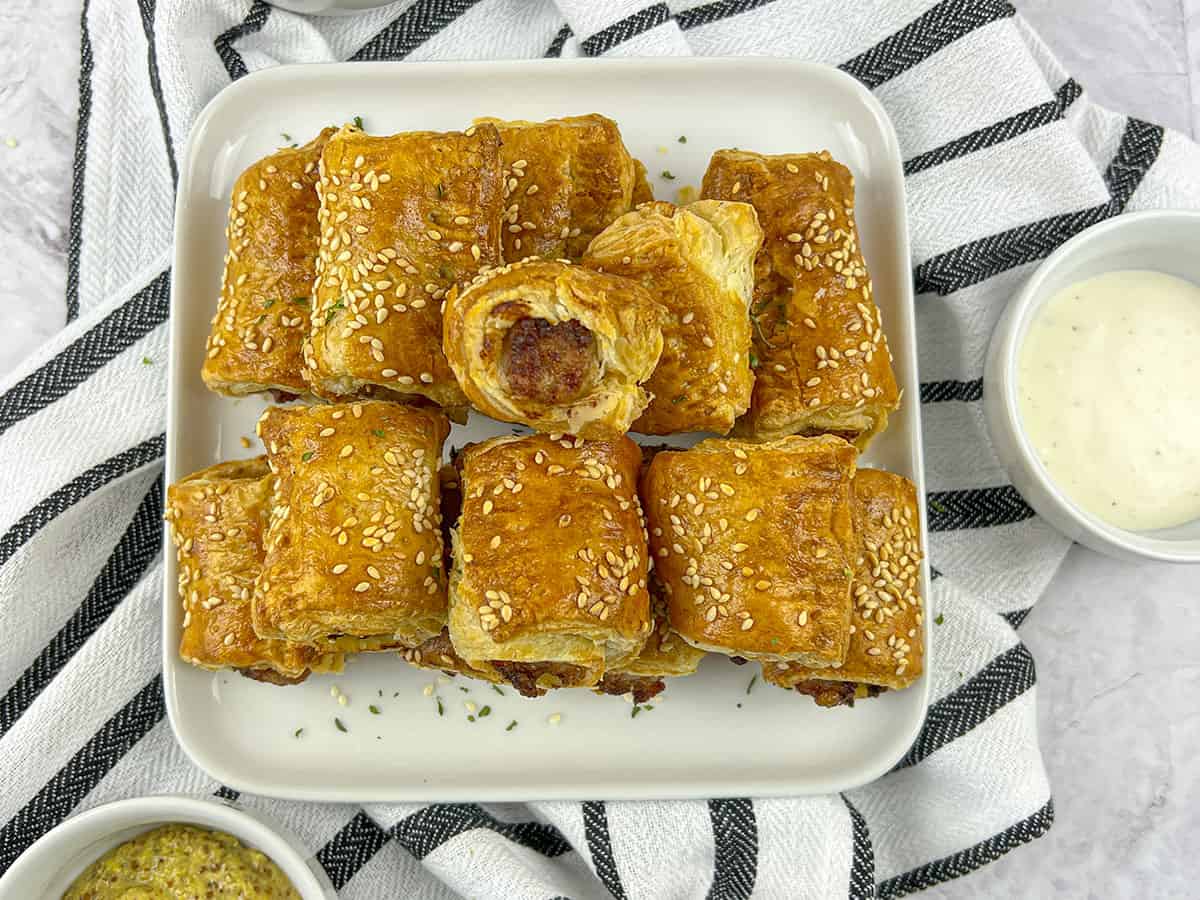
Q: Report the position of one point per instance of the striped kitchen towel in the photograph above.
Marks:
(1005, 159)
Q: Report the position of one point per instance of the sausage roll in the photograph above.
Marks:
(555, 346)
(266, 285)
(403, 219)
(887, 643)
(438, 652)
(354, 544)
(753, 543)
(697, 262)
(823, 359)
(217, 517)
(665, 655)
(549, 582)
(564, 181)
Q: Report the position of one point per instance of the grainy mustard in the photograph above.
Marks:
(182, 862)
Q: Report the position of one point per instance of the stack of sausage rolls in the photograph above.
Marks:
(523, 270)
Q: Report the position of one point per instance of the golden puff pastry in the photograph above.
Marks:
(697, 262)
(555, 346)
(754, 543)
(217, 517)
(564, 181)
(354, 545)
(266, 286)
(887, 644)
(824, 366)
(549, 581)
(403, 219)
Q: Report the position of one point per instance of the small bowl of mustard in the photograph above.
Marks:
(166, 844)
(1092, 387)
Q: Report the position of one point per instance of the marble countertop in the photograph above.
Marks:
(1118, 663)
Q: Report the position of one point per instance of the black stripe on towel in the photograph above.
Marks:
(351, 849)
(125, 567)
(862, 865)
(76, 489)
(959, 864)
(936, 28)
(979, 260)
(630, 27)
(999, 132)
(735, 849)
(595, 829)
(989, 690)
(976, 508)
(227, 793)
(121, 328)
(255, 19)
(698, 16)
(413, 27)
(74, 781)
(425, 831)
(1017, 617)
(941, 391)
(556, 46)
(75, 233)
(148, 8)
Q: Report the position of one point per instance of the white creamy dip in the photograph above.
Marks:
(1108, 385)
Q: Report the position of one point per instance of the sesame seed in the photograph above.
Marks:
(362, 586)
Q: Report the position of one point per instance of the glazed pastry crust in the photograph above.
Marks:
(753, 543)
(697, 262)
(403, 219)
(620, 318)
(824, 363)
(216, 517)
(550, 555)
(887, 644)
(565, 180)
(266, 284)
(354, 545)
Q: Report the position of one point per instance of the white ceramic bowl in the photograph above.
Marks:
(49, 866)
(1163, 240)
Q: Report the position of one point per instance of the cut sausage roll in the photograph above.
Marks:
(564, 181)
(754, 543)
(266, 286)
(217, 516)
(824, 366)
(697, 262)
(554, 346)
(403, 219)
(887, 645)
(548, 588)
(354, 545)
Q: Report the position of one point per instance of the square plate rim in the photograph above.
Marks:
(415, 791)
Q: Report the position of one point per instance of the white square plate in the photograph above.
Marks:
(711, 735)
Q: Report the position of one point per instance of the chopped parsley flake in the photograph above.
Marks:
(679, 399)
(340, 725)
(297, 732)
(939, 620)
(287, 138)
(378, 432)
(358, 123)
(374, 709)
(511, 725)
(753, 360)
(146, 361)
(441, 709)
(750, 686)
(307, 455)
(497, 690)
(300, 300)
(683, 139)
(937, 506)
(332, 309)
(666, 173)
(486, 711)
